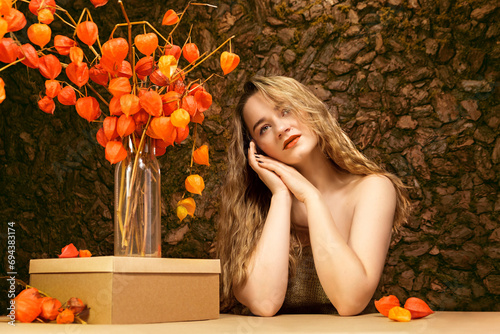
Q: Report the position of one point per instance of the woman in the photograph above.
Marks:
(302, 209)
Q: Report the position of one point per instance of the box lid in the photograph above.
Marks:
(119, 264)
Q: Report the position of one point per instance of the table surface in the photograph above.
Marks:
(439, 322)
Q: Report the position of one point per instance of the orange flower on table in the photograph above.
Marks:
(417, 307)
(399, 314)
(65, 317)
(69, 251)
(85, 253)
(384, 304)
(50, 308)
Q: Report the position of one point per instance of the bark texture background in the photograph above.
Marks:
(413, 82)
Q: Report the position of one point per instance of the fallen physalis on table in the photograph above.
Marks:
(71, 251)
(33, 305)
(414, 308)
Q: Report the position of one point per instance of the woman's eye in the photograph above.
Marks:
(285, 112)
(264, 129)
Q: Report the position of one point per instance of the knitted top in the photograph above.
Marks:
(304, 293)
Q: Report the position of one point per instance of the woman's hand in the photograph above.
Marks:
(300, 187)
(270, 179)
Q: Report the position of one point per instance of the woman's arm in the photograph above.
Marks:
(349, 271)
(265, 288)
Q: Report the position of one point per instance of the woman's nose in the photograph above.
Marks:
(282, 129)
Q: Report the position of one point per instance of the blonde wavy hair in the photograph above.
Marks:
(246, 199)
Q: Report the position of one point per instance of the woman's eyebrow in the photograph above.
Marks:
(258, 123)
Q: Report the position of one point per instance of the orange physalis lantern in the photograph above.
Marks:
(146, 43)
(39, 34)
(125, 69)
(101, 137)
(229, 61)
(49, 66)
(9, 50)
(65, 317)
(194, 184)
(130, 104)
(28, 52)
(99, 75)
(115, 49)
(163, 128)
(198, 117)
(46, 104)
(384, 304)
(75, 305)
(151, 102)
(3, 27)
(52, 88)
(68, 251)
(203, 100)
(417, 307)
(189, 104)
(167, 65)
(87, 32)
(180, 118)
(119, 86)
(114, 106)
(28, 307)
(99, 3)
(189, 204)
(88, 108)
(5, 7)
(141, 117)
(144, 66)
(109, 126)
(76, 55)
(115, 152)
(195, 88)
(63, 44)
(78, 74)
(125, 125)
(181, 212)
(67, 96)
(170, 18)
(170, 102)
(200, 155)
(190, 52)
(182, 134)
(37, 5)
(85, 253)
(110, 65)
(15, 20)
(2, 90)
(158, 78)
(50, 308)
(173, 50)
(45, 16)
(399, 314)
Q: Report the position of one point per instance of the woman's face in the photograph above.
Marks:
(277, 131)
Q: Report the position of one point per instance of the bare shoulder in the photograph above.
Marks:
(375, 186)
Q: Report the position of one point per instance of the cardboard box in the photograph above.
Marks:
(133, 290)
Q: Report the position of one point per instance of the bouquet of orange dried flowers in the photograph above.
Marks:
(151, 103)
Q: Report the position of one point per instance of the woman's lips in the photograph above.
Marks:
(290, 142)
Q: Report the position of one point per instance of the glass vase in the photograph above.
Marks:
(138, 200)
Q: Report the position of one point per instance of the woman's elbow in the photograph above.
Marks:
(264, 308)
(348, 309)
